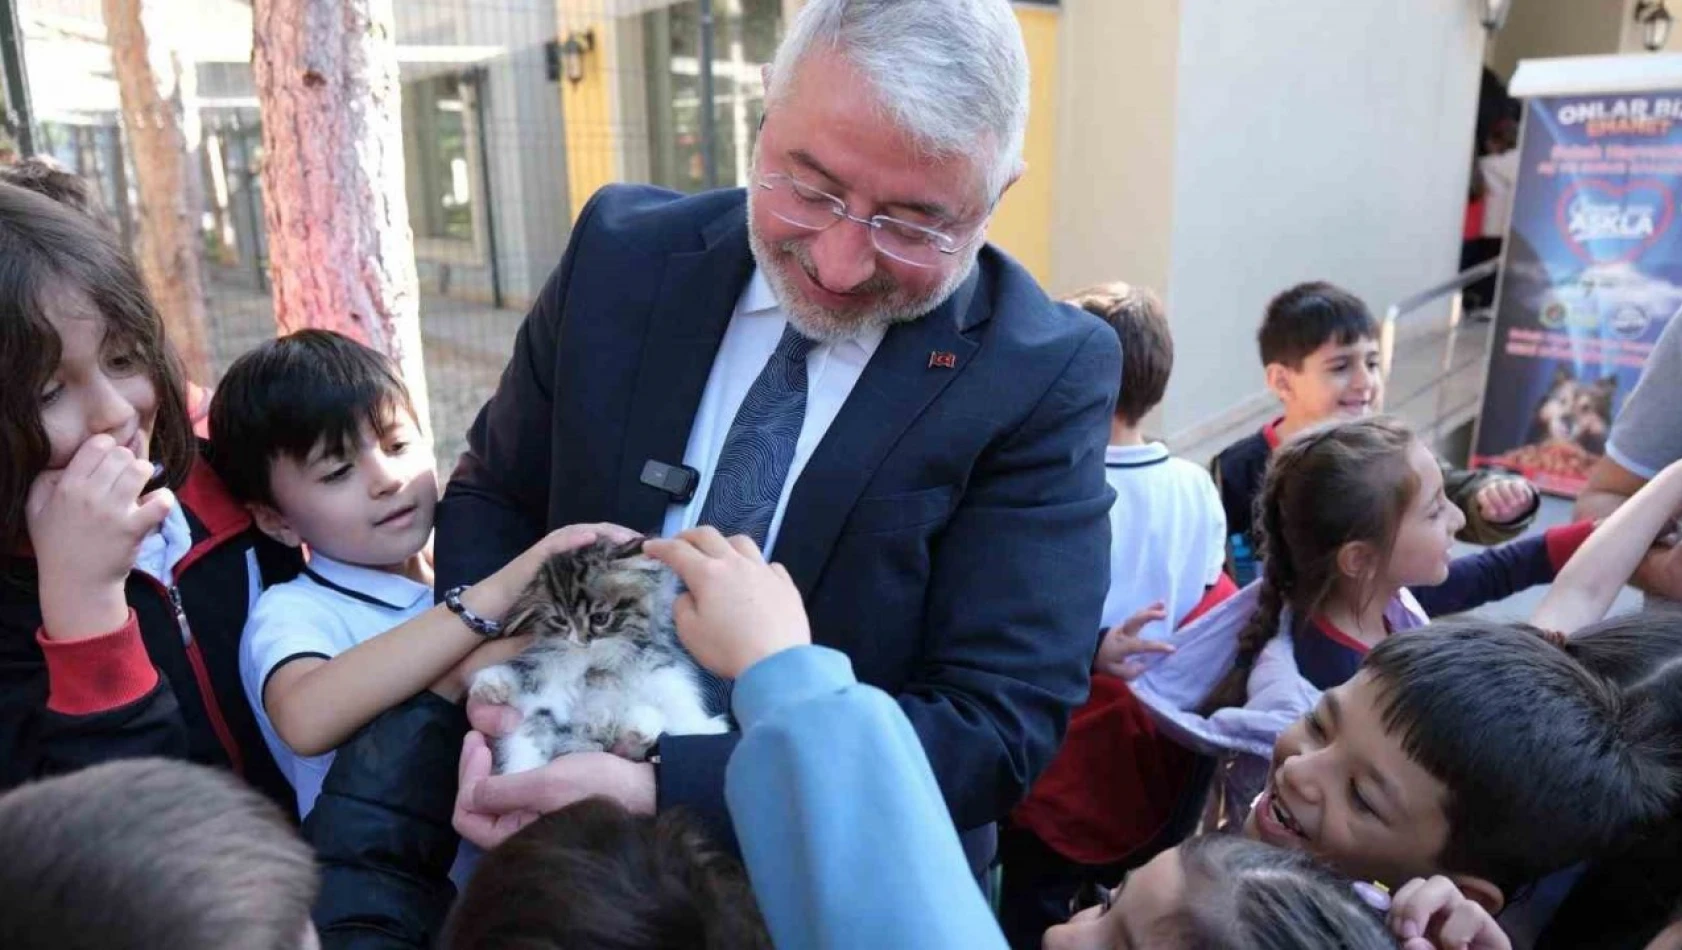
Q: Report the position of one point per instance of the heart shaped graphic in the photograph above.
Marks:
(1606, 223)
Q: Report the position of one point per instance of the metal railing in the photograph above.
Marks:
(1453, 288)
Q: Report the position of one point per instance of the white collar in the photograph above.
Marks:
(1135, 456)
(382, 588)
(164, 547)
(758, 297)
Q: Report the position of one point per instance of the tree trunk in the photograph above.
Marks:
(148, 81)
(341, 255)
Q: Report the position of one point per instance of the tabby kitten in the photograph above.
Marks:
(605, 671)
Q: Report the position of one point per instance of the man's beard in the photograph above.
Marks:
(891, 304)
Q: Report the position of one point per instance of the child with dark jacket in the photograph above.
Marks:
(126, 569)
(1319, 348)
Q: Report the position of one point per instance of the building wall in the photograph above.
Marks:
(1542, 28)
(1022, 223)
(1315, 139)
(1115, 143)
(591, 146)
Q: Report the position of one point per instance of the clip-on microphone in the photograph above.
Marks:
(678, 481)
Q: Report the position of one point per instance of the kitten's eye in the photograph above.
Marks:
(599, 618)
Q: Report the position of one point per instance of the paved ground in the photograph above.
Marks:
(466, 346)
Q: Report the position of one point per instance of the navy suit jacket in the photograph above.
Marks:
(949, 533)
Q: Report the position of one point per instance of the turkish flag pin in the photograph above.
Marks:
(943, 360)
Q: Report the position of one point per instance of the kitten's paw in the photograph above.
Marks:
(638, 732)
(494, 684)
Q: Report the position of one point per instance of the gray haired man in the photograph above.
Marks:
(885, 404)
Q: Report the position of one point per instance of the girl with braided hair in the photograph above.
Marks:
(1351, 515)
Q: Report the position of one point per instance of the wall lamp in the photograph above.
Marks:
(566, 57)
(1655, 23)
(1493, 14)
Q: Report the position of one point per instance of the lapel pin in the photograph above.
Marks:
(943, 360)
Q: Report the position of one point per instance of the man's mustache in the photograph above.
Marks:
(878, 284)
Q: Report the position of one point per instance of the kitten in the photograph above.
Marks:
(605, 671)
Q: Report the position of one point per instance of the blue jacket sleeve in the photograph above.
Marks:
(381, 830)
(845, 834)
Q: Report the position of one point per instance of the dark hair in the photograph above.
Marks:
(1631, 893)
(46, 177)
(1307, 317)
(592, 876)
(1328, 486)
(45, 248)
(289, 395)
(1547, 761)
(148, 853)
(1147, 347)
(1246, 895)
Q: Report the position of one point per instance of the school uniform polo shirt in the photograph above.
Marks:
(1167, 535)
(331, 607)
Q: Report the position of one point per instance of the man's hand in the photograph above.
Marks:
(1432, 914)
(1505, 500)
(490, 808)
(1123, 642)
(738, 609)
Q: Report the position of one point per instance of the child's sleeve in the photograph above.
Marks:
(1462, 487)
(381, 830)
(844, 831)
(1500, 572)
(284, 627)
(67, 705)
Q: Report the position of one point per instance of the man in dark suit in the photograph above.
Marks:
(897, 413)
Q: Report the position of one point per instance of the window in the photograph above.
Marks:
(440, 154)
(745, 34)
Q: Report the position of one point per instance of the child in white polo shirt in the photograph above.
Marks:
(318, 437)
(1093, 812)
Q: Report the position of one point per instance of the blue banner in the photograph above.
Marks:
(1592, 273)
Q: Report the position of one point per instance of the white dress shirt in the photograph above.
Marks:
(832, 369)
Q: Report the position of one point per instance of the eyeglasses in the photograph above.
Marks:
(794, 202)
(1092, 894)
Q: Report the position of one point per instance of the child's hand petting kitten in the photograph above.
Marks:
(1432, 914)
(493, 596)
(738, 609)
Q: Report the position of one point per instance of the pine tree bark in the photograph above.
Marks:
(341, 256)
(148, 83)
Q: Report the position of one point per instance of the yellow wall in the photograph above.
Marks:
(1022, 225)
(590, 145)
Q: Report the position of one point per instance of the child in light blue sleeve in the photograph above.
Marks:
(848, 842)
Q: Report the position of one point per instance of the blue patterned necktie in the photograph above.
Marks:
(752, 466)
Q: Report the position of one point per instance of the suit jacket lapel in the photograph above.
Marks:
(698, 294)
(906, 373)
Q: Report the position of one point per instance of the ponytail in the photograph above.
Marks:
(1299, 531)
(1263, 625)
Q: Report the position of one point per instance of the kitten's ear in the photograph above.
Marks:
(629, 556)
(524, 611)
(537, 595)
(629, 549)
